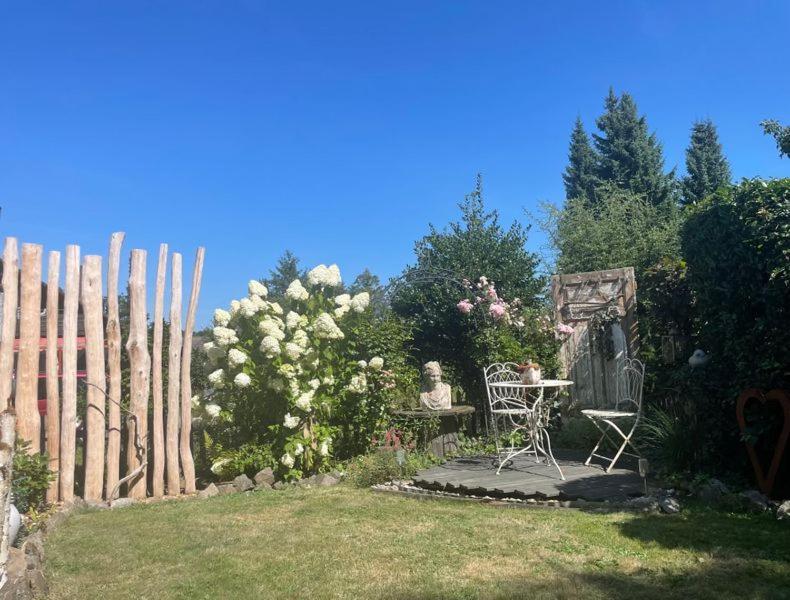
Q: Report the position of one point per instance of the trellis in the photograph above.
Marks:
(75, 320)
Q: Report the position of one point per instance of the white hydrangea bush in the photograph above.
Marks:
(286, 371)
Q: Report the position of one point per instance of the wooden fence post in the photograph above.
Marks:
(8, 332)
(7, 439)
(68, 413)
(173, 379)
(156, 377)
(53, 389)
(113, 365)
(27, 366)
(93, 313)
(187, 462)
(140, 364)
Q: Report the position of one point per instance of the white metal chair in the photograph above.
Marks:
(627, 408)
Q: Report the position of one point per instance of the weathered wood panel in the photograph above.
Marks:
(158, 479)
(53, 390)
(8, 331)
(174, 379)
(68, 413)
(113, 365)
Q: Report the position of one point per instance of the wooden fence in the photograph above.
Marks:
(72, 328)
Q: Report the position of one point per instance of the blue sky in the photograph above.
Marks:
(340, 130)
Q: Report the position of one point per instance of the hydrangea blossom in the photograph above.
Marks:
(236, 357)
(300, 338)
(326, 328)
(324, 449)
(341, 311)
(333, 278)
(234, 307)
(213, 410)
(213, 352)
(259, 303)
(358, 384)
(247, 307)
(304, 401)
(270, 346)
(217, 378)
(221, 317)
(293, 350)
(376, 363)
(269, 327)
(292, 320)
(360, 302)
(296, 291)
(223, 336)
(343, 299)
(290, 422)
(276, 308)
(256, 288)
(362, 364)
(314, 384)
(325, 276)
(287, 460)
(242, 380)
(298, 450)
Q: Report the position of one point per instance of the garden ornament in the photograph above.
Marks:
(698, 359)
(435, 394)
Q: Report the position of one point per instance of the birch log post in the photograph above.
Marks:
(187, 462)
(27, 367)
(113, 365)
(7, 439)
(8, 331)
(68, 413)
(158, 485)
(53, 389)
(173, 377)
(140, 365)
(92, 314)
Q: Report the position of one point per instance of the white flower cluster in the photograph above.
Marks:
(376, 363)
(212, 410)
(242, 380)
(358, 384)
(303, 402)
(290, 422)
(256, 288)
(217, 378)
(270, 346)
(325, 276)
(360, 302)
(326, 328)
(324, 449)
(273, 327)
(223, 336)
(236, 357)
(221, 317)
(213, 352)
(287, 460)
(296, 291)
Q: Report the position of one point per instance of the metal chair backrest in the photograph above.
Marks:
(629, 386)
(499, 397)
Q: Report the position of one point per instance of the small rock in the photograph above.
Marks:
(325, 479)
(643, 503)
(712, 491)
(209, 491)
(122, 502)
(226, 488)
(754, 501)
(264, 477)
(669, 505)
(783, 512)
(243, 483)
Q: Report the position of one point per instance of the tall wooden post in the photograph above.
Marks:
(7, 439)
(92, 312)
(173, 377)
(27, 369)
(114, 365)
(156, 377)
(8, 331)
(187, 462)
(68, 413)
(140, 364)
(53, 388)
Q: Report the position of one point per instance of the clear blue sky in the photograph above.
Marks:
(339, 129)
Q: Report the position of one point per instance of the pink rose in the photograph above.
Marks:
(491, 293)
(564, 329)
(465, 307)
(497, 310)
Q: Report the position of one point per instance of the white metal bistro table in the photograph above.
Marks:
(535, 400)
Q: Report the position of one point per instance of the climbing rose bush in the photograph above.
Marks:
(285, 373)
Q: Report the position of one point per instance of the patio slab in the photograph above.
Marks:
(527, 479)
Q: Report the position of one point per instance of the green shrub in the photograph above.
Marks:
(384, 465)
(245, 460)
(31, 478)
(576, 433)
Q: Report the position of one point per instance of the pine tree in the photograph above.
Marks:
(579, 176)
(286, 270)
(628, 154)
(707, 168)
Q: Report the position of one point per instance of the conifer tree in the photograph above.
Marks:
(286, 270)
(629, 156)
(707, 167)
(579, 176)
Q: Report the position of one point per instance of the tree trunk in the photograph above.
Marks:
(173, 379)
(114, 365)
(8, 333)
(53, 391)
(7, 439)
(158, 417)
(68, 413)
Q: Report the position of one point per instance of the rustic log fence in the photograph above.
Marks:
(86, 334)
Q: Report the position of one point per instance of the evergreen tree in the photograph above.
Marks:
(286, 270)
(370, 283)
(629, 156)
(707, 168)
(579, 176)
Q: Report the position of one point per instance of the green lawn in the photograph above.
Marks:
(346, 543)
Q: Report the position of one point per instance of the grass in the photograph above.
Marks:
(342, 542)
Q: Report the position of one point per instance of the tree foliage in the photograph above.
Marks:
(781, 133)
(286, 270)
(580, 174)
(708, 169)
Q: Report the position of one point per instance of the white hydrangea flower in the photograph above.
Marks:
(242, 380)
(293, 388)
(358, 384)
(314, 383)
(300, 338)
(213, 410)
(292, 320)
(270, 346)
(362, 364)
(318, 275)
(304, 400)
(213, 352)
(236, 357)
(293, 350)
(296, 291)
(235, 305)
(247, 307)
(216, 466)
(276, 308)
(341, 311)
(298, 450)
(333, 278)
(217, 378)
(256, 288)
(326, 328)
(223, 336)
(343, 299)
(324, 449)
(221, 317)
(259, 303)
(328, 381)
(290, 422)
(269, 327)
(195, 401)
(287, 460)
(360, 302)
(376, 363)
(287, 371)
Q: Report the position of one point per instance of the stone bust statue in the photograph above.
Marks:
(435, 394)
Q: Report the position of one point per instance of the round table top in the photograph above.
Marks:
(544, 383)
(444, 412)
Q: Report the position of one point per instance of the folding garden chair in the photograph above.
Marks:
(627, 409)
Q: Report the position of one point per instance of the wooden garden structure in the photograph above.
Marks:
(82, 325)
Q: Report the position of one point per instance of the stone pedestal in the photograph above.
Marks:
(450, 422)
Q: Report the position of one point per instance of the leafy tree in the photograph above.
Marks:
(370, 283)
(781, 133)
(286, 270)
(629, 155)
(579, 176)
(707, 167)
